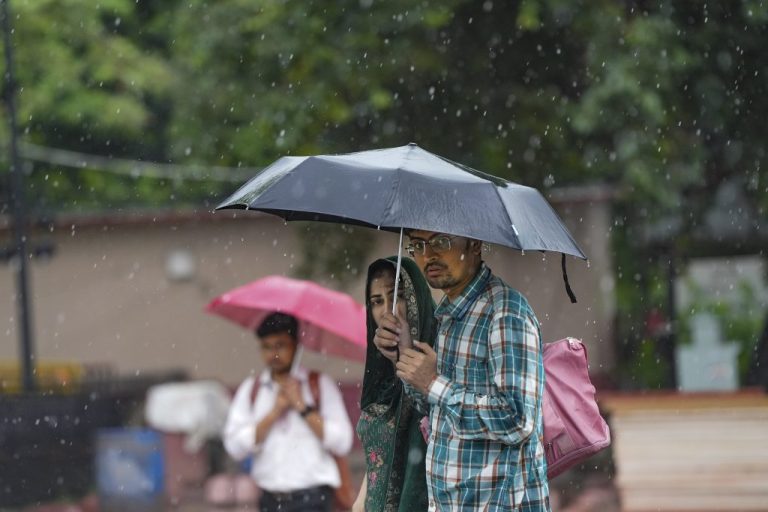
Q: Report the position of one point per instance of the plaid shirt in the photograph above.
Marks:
(486, 450)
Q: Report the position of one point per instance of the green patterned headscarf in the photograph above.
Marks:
(389, 425)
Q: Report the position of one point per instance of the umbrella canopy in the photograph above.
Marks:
(330, 322)
(406, 187)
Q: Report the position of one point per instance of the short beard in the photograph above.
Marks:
(442, 283)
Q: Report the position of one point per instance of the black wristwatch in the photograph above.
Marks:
(307, 410)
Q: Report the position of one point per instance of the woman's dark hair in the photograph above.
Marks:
(276, 323)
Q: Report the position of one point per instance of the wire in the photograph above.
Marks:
(134, 168)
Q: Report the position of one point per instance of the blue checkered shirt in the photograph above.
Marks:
(486, 449)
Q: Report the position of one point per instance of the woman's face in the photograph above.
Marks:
(382, 294)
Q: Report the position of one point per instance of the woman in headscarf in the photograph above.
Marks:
(394, 446)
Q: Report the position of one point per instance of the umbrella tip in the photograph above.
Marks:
(412, 144)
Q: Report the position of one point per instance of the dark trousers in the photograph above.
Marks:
(314, 499)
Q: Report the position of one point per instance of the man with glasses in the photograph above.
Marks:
(483, 385)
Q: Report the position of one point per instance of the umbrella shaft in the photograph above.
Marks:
(397, 272)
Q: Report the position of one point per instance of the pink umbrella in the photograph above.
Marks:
(331, 322)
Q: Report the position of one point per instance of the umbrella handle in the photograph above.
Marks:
(397, 271)
(296, 360)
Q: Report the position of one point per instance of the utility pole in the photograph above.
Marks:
(17, 200)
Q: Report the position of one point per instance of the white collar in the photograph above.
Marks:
(300, 373)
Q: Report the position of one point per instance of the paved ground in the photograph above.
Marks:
(596, 498)
(571, 492)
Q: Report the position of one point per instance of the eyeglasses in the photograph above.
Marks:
(439, 244)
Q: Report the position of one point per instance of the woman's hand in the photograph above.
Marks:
(405, 335)
(387, 337)
(393, 336)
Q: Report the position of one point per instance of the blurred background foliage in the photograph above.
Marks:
(739, 317)
(665, 101)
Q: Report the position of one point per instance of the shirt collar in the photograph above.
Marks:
(300, 373)
(458, 307)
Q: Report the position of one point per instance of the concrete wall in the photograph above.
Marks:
(105, 297)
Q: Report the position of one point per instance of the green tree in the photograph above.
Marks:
(93, 77)
(85, 81)
(663, 100)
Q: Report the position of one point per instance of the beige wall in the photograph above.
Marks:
(105, 295)
(539, 277)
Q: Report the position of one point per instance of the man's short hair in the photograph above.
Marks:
(276, 323)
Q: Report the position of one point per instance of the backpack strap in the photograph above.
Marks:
(314, 387)
(254, 391)
(345, 494)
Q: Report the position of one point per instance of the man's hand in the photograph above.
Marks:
(291, 388)
(418, 367)
(387, 336)
(282, 403)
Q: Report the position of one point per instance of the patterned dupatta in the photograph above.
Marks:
(389, 424)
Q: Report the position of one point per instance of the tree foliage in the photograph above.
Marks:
(663, 100)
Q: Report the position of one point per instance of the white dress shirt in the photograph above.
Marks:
(291, 457)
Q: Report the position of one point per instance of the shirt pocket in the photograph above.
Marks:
(448, 370)
(475, 376)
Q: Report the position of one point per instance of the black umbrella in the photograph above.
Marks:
(407, 187)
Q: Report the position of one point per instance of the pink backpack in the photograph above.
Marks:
(573, 427)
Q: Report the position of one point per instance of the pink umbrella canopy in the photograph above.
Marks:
(330, 322)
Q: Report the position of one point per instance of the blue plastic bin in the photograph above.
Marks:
(129, 469)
